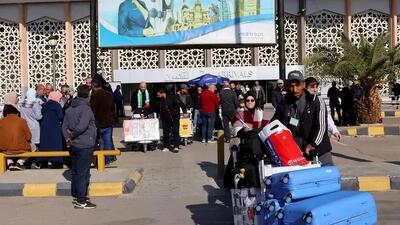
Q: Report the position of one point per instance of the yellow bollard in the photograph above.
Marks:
(221, 153)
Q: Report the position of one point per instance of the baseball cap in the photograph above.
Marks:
(295, 75)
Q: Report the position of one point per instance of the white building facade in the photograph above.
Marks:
(26, 25)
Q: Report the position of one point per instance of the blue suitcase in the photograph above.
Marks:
(299, 184)
(270, 212)
(339, 208)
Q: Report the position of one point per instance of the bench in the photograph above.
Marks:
(100, 154)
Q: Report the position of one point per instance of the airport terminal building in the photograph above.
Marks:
(26, 58)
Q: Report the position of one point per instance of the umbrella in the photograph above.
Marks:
(207, 79)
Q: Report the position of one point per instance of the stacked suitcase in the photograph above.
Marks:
(295, 193)
(313, 196)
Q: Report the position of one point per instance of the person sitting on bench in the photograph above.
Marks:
(15, 135)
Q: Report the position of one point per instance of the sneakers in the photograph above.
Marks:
(175, 150)
(165, 150)
(15, 167)
(211, 142)
(35, 166)
(203, 141)
(84, 205)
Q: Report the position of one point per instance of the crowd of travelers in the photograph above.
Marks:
(54, 120)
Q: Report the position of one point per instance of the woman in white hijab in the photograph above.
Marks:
(31, 111)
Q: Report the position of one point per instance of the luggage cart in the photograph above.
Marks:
(185, 127)
(143, 131)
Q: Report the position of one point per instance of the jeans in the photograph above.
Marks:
(196, 116)
(208, 120)
(81, 160)
(171, 127)
(107, 141)
(227, 121)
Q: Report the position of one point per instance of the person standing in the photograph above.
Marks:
(229, 104)
(305, 116)
(40, 94)
(103, 107)
(50, 130)
(141, 100)
(312, 86)
(334, 104)
(66, 96)
(348, 106)
(170, 105)
(79, 131)
(260, 94)
(49, 88)
(31, 111)
(196, 114)
(278, 93)
(119, 101)
(208, 105)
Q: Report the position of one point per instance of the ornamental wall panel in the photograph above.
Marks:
(10, 79)
(323, 29)
(40, 53)
(268, 55)
(185, 58)
(138, 59)
(227, 57)
(81, 41)
(369, 24)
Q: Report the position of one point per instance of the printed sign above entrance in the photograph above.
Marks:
(127, 23)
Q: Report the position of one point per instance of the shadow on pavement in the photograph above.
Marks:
(349, 157)
(218, 210)
(67, 175)
(211, 170)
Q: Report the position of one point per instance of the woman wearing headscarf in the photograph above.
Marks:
(31, 111)
(50, 129)
(246, 125)
(15, 134)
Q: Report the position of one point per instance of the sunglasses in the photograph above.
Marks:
(250, 100)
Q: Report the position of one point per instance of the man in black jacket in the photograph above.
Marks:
(229, 104)
(305, 115)
(278, 93)
(170, 105)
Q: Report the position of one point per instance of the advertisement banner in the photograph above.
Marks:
(141, 130)
(126, 23)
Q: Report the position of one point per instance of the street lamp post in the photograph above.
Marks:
(52, 42)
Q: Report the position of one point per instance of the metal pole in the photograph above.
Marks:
(53, 65)
(93, 37)
(281, 39)
(221, 153)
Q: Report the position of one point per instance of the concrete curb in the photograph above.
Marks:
(385, 114)
(64, 188)
(371, 131)
(374, 183)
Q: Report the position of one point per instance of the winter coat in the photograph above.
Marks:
(15, 135)
(313, 123)
(277, 97)
(208, 102)
(79, 124)
(32, 113)
(50, 127)
(229, 102)
(103, 107)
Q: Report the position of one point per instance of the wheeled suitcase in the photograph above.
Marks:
(244, 203)
(270, 212)
(339, 208)
(301, 184)
(283, 148)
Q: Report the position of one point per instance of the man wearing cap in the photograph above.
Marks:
(229, 104)
(305, 115)
(312, 86)
(278, 93)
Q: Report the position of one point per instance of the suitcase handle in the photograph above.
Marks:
(274, 127)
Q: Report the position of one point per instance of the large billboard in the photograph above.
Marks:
(184, 22)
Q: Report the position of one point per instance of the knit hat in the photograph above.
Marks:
(11, 99)
(55, 96)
